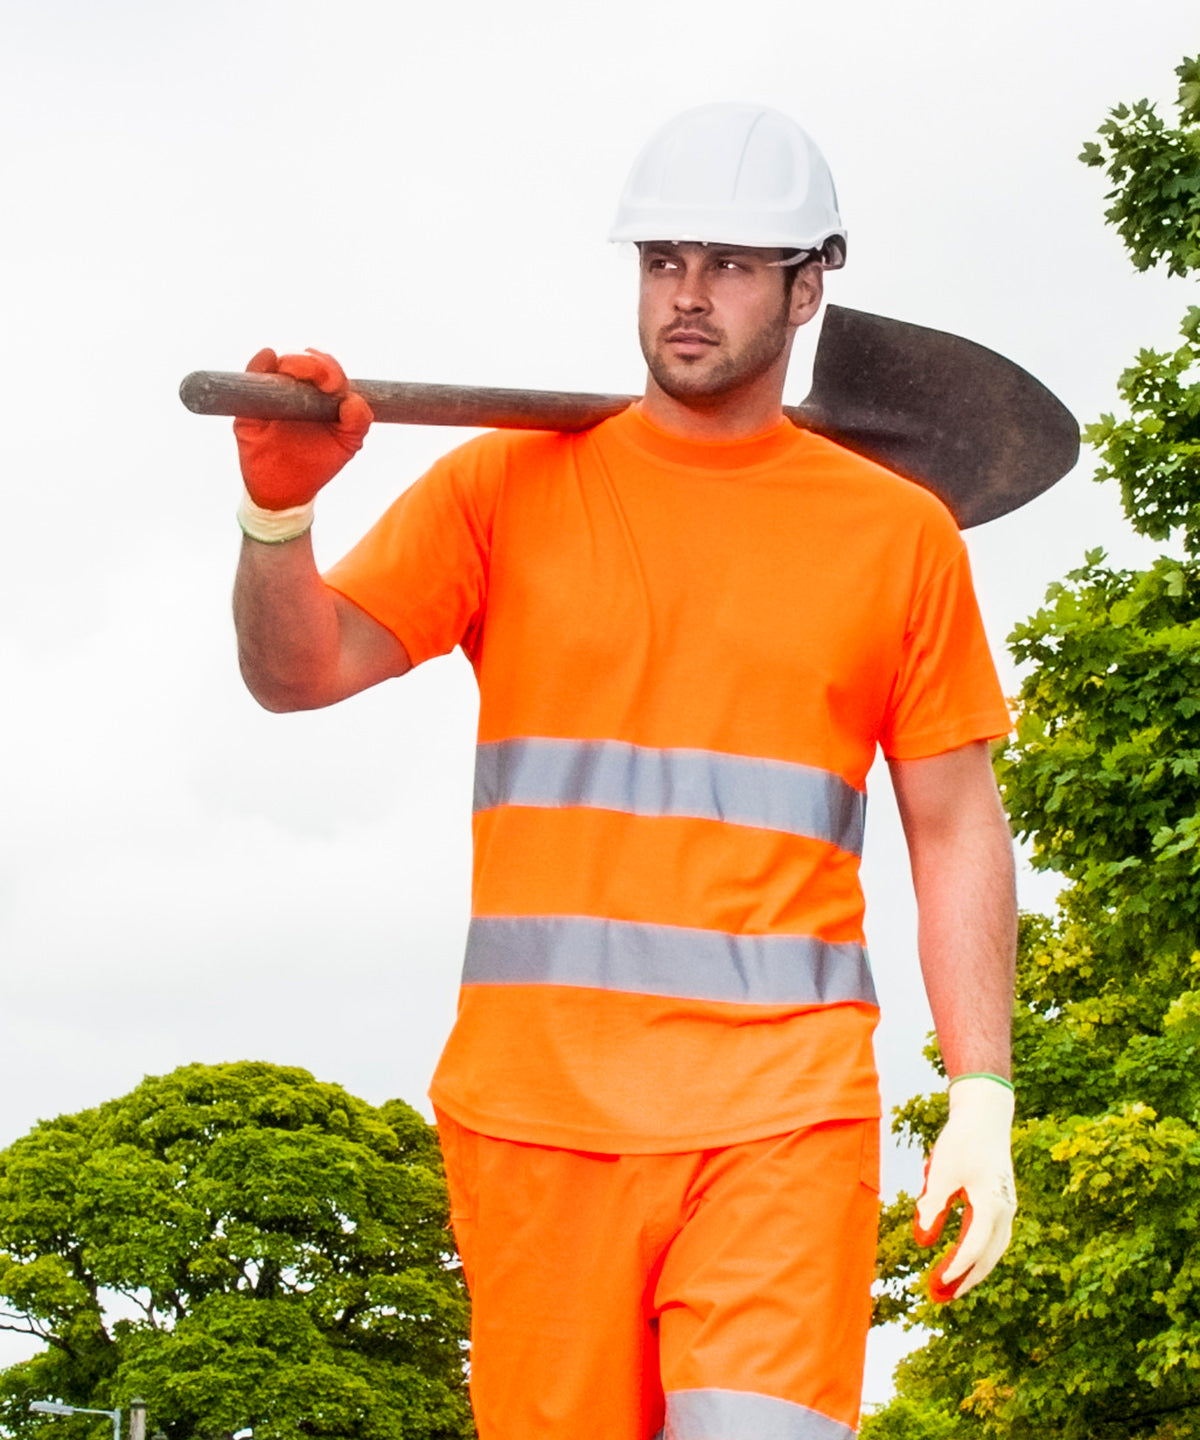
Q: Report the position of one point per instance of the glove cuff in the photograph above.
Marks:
(982, 1099)
(273, 527)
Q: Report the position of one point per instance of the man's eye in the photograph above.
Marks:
(661, 262)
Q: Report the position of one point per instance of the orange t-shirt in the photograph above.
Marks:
(687, 654)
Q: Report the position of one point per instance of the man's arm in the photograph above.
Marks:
(962, 864)
(301, 645)
(960, 849)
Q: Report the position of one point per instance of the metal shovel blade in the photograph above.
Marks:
(966, 423)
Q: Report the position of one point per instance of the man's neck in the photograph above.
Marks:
(725, 417)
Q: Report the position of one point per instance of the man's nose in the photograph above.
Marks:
(691, 291)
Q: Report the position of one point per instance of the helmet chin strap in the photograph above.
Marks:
(800, 257)
(831, 256)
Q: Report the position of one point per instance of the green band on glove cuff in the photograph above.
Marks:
(982, 1075)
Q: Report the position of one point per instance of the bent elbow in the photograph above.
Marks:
(283, 697)
(280, 702)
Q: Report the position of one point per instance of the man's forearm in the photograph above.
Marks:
(301, 645)
(967, 940)
(287, 625)
(963, 874)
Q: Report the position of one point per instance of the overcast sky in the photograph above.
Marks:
(425, 192)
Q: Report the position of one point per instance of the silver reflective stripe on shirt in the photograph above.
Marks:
(742, 1415)
(701, 784)
(673, 960)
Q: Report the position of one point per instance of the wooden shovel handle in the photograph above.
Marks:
(279, 397)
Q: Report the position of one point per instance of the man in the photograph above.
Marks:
(691, 628)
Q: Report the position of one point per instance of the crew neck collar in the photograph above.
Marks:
(761, 449)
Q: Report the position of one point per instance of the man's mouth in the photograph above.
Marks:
(688, 338)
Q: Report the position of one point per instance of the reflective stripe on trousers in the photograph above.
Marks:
(700, 784)
(672, 960)
(741, 1415)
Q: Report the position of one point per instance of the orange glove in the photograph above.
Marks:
(970, 1161)
(285, 462)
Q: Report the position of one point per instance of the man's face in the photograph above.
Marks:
(713, 319)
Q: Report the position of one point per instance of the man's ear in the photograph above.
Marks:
(807, 290)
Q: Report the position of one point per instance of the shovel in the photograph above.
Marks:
(964, 422)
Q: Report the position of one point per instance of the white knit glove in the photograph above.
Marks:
(971, 1159)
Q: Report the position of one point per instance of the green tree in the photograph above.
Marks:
(909, 1418)
(242, 1246)
(1091, 1325)
(1155, 170)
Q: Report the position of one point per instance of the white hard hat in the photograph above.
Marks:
(735, 175)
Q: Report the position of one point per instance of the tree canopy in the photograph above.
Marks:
(1090, 1327)
(242, 1246)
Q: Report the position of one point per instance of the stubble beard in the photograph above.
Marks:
(698, 381)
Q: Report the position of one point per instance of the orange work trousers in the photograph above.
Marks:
(711, 1295)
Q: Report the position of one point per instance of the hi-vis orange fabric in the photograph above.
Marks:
(723, 1292)
(687, 655)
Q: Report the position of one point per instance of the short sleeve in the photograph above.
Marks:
(422, 569)
(946, 692)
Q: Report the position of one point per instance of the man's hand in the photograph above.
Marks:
(285, 462)
(971, 1160)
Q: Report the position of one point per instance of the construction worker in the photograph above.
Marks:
(692, 626)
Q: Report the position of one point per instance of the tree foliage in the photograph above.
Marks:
(1091, 1325)
(1153, 452)
(1155, 170)
(241, 1246)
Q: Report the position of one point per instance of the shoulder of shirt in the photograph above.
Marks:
(910, 499)
(865, 481)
